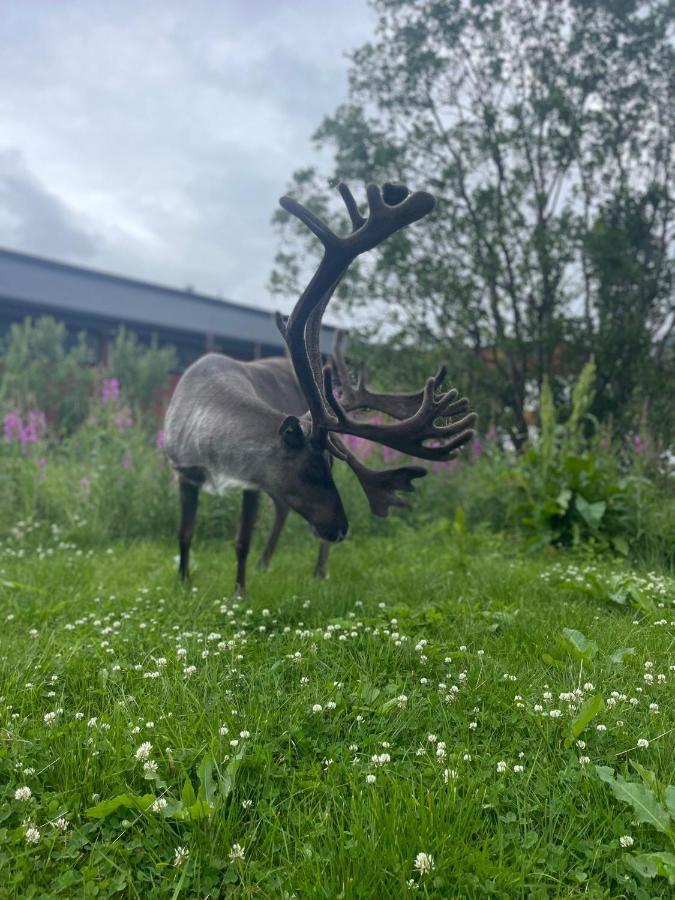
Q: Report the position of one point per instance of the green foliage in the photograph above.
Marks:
(142, 371)
(550, 237)
(103, 651)
(42, 372)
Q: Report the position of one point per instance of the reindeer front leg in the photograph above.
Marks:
(249, 512)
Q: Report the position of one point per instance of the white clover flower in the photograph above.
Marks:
(61, 824)
(467, 757)
(144, 751)
(150, 767)
(23, 794)
(473, 725)
(92, 722)
(49, 719)
(584, 760)
(181, 856)
(401, 700)
(32, 835)
(331, 704)
(223, 730)
(502, 766)
(519, 768)
(159, 804)
(380, 759)
(555, 713)
(371, 779)
(626, 840)
(601, 728)
(317, 708)
(424, 863)
(432, 738)
(448, 774)
(643, 743)
(237, 852)
(189, 670)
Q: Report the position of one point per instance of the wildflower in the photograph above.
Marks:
(424, 863)
(502, 766)
(519, 768)
(380, 760)
(584, 760)
(23, 794)
(181, 855)
(32, 835)
(555, 713)
(61, 824)
(92, 722)
(144, 750)
(643, 743)
(159, 804)
(371, 779)
(150, 767)
(432, 738)
(317, 708)
(626, 840)
(223, 730)
(237, 852)
(401, 700)
(247, 804)
(448, 774)
(601, 728)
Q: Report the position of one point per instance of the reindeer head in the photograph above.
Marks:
(305, 480)
(390, 209)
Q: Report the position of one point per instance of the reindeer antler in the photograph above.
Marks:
(390, 209)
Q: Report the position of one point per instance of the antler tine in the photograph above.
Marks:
(352, 208)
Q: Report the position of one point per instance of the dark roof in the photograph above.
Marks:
(59, 287)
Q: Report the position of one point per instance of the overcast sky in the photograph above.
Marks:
(154, 138)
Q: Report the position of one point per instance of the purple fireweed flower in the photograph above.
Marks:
(34, 428)
(122, 421)
(160, 439)
(13, 426)
(476, 448)
(639, 445)
(389, 455)
(491, 433)
(110, 391)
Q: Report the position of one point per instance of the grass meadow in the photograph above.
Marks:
(447, 715)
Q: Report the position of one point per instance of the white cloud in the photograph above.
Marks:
(160, 135)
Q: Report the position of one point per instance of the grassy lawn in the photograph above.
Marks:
(314, 739)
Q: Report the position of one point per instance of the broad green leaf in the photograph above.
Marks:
(578, 645)
(122, 801)
(649, 865)
(647, 776)
(563, 499)
(620, 656)
(591, 513)
(643, 801)
(586, 714)
(620, 544)
(199, 810)
(188, 795)
(229, 776)
(207, 786)
(670, 800)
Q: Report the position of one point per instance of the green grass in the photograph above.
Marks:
(293, 793)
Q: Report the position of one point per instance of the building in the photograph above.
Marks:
(99, 303)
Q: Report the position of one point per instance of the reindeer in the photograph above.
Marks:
(273, 425)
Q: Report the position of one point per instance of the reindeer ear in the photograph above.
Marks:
(291, 432)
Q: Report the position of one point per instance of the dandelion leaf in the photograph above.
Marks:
(586, 714)
(641, 798)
